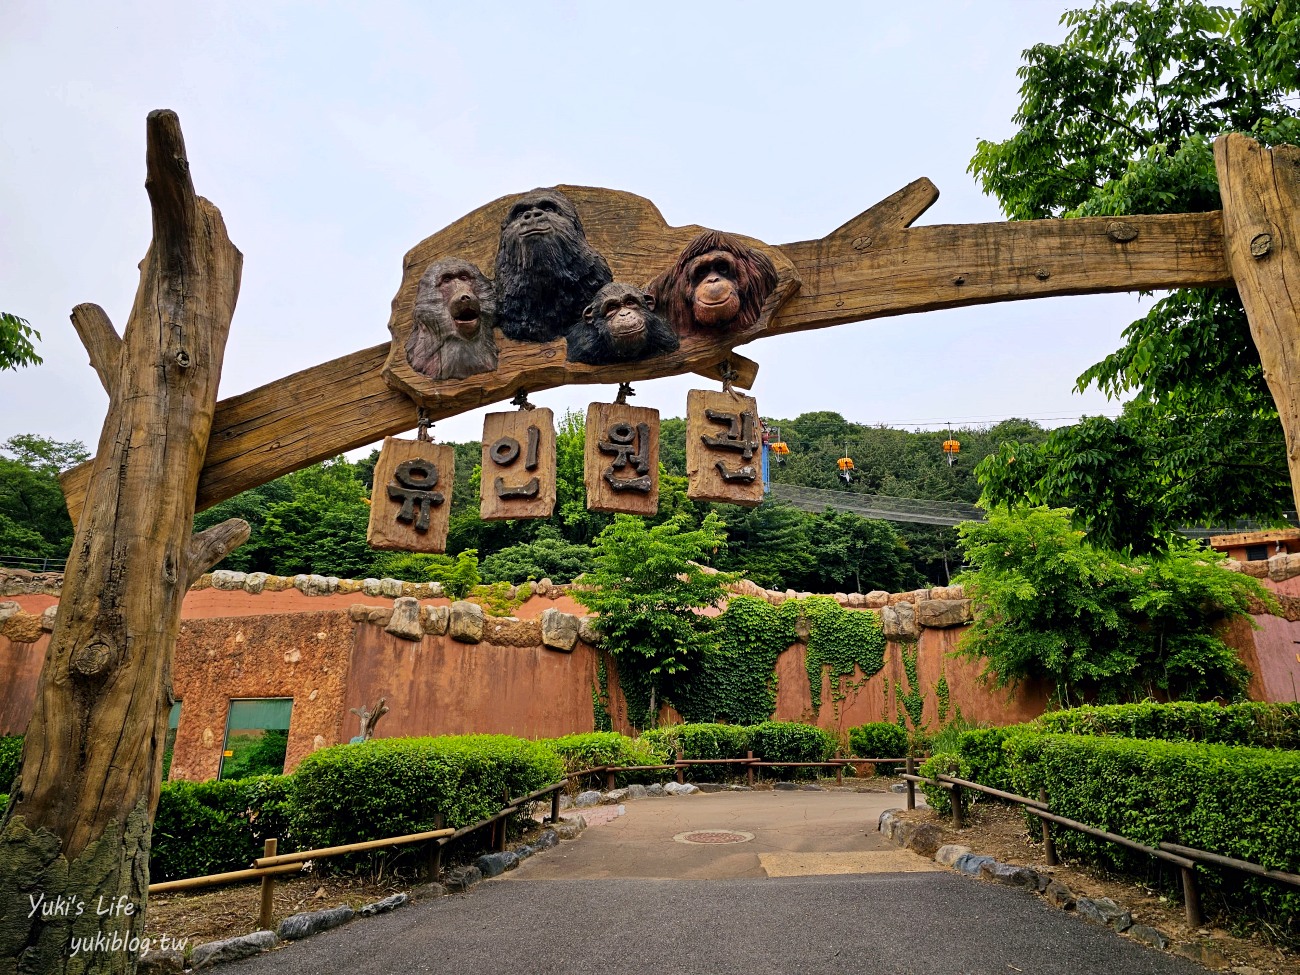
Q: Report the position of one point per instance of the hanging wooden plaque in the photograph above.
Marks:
(621, 463)
(518, 465)
(410, 504)
(724, 448)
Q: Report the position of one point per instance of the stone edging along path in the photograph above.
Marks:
(925, 839)
(456, 880)
(299, 926)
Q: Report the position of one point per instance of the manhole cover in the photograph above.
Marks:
(710, 837)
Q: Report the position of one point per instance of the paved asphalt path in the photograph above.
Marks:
(659, 919)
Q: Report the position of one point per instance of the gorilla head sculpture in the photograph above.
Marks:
(455, 309)
(717, 282)
(546, 271)
(620, 325)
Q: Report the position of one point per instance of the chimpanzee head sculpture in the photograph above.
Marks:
(620, 325)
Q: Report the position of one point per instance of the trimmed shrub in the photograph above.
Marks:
(597, 748)
(1252, 723)
(879, 739)
(985, 759)
(393, 786)
(702, 741)
(11, 752)
(790, 741)
(1238, 802)
(946, 763)
(211, 827)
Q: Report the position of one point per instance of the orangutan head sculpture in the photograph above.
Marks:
(717, 282)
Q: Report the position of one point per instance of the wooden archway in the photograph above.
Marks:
(77, 824)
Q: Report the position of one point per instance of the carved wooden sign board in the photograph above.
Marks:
(586, 285)
(410, 504)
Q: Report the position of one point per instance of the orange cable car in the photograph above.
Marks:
(780, 448)
(845, 463)
(951, 448)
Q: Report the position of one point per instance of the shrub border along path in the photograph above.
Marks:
(926, 838)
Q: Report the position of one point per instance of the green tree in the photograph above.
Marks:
(1099, 626)
(16, 348)
(855, 554)
(1120, 119)
(547, 556)
(769, 544)
(648, 586)
(321, 527)
(34, 522)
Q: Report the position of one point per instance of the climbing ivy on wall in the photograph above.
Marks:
(841, 639)
(733, 680)
(911, 699)
(736, 681)
(600, 696)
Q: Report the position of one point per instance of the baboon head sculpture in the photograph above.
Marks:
(546, 271)
(455, 310)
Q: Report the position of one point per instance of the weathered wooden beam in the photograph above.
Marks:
(1260, 189)
(101, 340)
(77, 826)
(872, 267)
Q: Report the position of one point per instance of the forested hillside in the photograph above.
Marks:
(314, 520)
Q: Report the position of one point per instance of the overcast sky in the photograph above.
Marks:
(334, 137)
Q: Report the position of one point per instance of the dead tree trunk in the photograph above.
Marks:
(74, 847)
(1260, 189)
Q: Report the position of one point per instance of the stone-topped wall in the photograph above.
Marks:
(450, 667)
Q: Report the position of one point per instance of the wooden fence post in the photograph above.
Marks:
(958, 819)
(681, 772)
(609, 780)
(749, 769)
(1191, 899)
(555, 806)
(266, 917)
(1049, 844)
(909, 765)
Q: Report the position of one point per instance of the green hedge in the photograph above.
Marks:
(1238, 802)
(1251, 723)
(791, 741)
(11, 751)
(393, 786)
(879, 739)
(211, 827)
(771, 741)
(700, 740)
(597, 748)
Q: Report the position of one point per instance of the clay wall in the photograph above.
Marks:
(866, 701)
(327, 645)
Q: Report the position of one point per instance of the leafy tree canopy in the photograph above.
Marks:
(647, 586)
(16, 348)
(1119, 119)
(1098, 626)
(34, 522)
